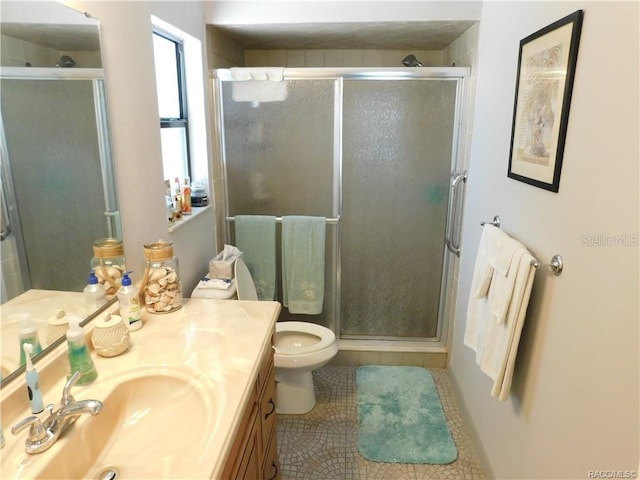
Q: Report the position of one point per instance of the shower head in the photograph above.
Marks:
(411, 61)
(65, 62)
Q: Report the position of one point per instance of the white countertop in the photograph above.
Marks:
(222, 342)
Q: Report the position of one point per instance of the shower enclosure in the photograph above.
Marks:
(372, 150)
(58, 184)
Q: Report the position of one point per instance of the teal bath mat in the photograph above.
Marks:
(400, 418)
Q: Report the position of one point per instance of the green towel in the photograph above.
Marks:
(303, 241)
(256, 239)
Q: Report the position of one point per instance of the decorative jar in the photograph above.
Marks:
(108, 264)
(161, 291)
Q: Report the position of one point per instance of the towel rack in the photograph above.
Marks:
(556, 264)
(495, 222)
(279, 219)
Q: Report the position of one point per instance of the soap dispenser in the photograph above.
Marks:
(79, 357)
(95, 294)
(129, 304)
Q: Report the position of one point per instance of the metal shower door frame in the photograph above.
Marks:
(454, 213)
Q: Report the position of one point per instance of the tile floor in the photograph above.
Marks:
(323, 444)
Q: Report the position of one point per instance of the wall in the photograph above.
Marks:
(338, 58)
(462, 51)
(17, 53)
(288, 11)
(574, 402)
(127, 48)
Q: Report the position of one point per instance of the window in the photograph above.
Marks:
(172, 104)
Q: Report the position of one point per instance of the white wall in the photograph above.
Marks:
(288, 11)
(127, 50)
(574, 403)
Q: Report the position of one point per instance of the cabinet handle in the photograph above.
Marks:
(275, 470)
(273, 409)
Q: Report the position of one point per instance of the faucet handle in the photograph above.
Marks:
(66, 391)
(37, 432)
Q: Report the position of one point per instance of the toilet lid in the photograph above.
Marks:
(244, 281)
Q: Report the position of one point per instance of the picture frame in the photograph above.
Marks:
(544, 83)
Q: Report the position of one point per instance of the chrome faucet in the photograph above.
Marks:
(43, 434)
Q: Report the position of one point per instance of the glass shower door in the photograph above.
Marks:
(279, 160)
(52, 135)
(398, 138)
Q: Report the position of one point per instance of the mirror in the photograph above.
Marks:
(58, 183)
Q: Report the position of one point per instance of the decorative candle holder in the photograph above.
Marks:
(110, 336)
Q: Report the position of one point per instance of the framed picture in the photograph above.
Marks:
(546, 67)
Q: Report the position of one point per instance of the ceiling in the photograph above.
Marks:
(430, 35)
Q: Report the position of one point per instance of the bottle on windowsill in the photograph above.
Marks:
(186, 197)
(177, 197)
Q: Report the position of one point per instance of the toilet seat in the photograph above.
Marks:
(325, 337)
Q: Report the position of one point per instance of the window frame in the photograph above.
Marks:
(183, 120)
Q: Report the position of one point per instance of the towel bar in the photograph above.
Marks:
(556, 264)
(279, 219)
(495, 222)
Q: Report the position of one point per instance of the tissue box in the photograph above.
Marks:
(219, 268)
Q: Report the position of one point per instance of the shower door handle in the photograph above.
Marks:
(5, 221)
(114, 226)
(454, 217)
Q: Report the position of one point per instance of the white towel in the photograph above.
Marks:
(496, 344)
(502, 285)
(499, 361)
(496, 254)
(243, 74)
(483, 271)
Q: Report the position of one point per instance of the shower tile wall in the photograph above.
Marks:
(16, 53)
(223, 52)
(338, 58)
(462, 53)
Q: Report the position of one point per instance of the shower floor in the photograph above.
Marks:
(323, 444)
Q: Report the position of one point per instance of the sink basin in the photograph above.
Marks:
(154, 424)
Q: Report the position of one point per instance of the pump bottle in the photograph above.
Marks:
(129, 304)
(95, 294)
(78, 353)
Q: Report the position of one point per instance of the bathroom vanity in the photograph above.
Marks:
(193, 397)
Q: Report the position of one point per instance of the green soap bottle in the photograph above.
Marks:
(78, 353)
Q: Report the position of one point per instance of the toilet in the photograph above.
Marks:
(300, 348)
(204, 289)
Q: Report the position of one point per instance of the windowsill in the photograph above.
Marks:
(186, 218)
